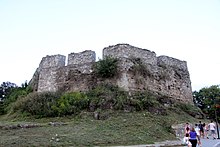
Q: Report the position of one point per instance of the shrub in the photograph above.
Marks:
(139, 68)
(40, 104)
(143, 100)
(107, 96)
(106, 68)
(190, 109)
(71, 103)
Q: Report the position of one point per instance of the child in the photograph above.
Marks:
(186, 140)
(206, 131)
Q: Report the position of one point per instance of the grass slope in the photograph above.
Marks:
(118, 129)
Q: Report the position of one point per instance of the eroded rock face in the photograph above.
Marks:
(139, 70)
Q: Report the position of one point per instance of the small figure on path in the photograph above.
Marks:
(201, 129)
(206, 130)
(193, 138)
(187, 128)
(187, 131)
(197, 130)
(186, 140)
(212, 129)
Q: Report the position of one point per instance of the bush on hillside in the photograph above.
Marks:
(107, 96)
(39, 104)
(103, 97)
(70, 103)
(190, 109)
(144, 100)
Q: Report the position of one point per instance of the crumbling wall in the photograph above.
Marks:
(178, 84)
(128, 51)
(82, 57)
(139, 70)
(53, 75)
(48, 68)
(52, 61)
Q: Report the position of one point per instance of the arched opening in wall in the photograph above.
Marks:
(169, 87)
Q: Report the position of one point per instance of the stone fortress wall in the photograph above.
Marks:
(128, 51)
(81, 58)
(166, 75)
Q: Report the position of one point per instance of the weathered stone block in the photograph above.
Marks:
(52, 61)
(128, 51)
(82, 57)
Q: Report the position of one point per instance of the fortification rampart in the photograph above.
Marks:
(128, 51)
(52, 73)
(171, 62)
(82, 57)
(52, 61)
(163, 74)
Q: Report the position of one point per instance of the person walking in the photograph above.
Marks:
(193, 137)
(212, 129)
(186, 140)
(187, 128)
(201, 129)
(197, 129)
(187, 131)
(206, 130)
(198, 133)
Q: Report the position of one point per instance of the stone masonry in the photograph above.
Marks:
(139, 70)
(47, 72)
(81, 58)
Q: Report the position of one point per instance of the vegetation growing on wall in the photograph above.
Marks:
(139, 68)
(106, 68)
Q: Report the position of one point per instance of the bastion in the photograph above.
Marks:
(138, 70)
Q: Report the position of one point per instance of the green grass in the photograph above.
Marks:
(119, 129)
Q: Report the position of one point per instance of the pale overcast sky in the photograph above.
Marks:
(185, 29)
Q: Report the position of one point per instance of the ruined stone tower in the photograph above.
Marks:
(163, 74)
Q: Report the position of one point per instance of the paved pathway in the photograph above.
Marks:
(210, 142)
(178, 143)
(179, 129)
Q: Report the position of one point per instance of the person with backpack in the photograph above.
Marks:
(201, 129)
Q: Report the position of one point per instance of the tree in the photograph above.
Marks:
(10, 92)
(5, 89)
(208, 99)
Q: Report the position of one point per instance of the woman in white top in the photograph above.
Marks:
(212, 129)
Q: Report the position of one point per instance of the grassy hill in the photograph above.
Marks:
(118, 128)
(104, 116)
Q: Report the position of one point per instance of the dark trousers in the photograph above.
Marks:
(193, 142)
